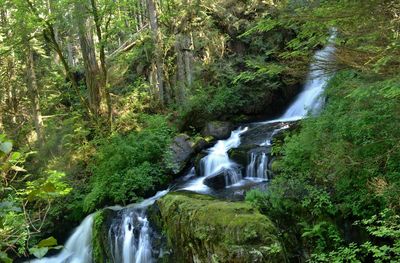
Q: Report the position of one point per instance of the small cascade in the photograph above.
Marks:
(130, 235)
(78, 248)
(216, 161)
(257, 168)
(310, 100)
(261, 169)
(218, 158)
(130, 238)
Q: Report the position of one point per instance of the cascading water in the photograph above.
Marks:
(131, 236)
(78, 248)
(310, 99)
(217, 160)
(257, 168)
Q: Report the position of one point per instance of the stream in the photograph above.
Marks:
(131, 237)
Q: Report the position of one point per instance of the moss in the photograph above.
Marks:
(100, 247)
(202, 229)
(276, 166)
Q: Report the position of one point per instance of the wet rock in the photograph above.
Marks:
(218, 129)
(182, 149)
(240, 155)
(199, 228)
(222, 179)
(198, 163)
(101, 225)
(201, 144)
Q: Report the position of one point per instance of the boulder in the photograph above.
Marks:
(182, 149)
(101, 224)
(222, 178)
(218, 129)
(240, 155)
(199, 228)
(197, 162)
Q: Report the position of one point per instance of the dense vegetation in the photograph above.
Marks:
(336, 192)
(92, 93)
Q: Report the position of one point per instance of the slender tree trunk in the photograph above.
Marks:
(180, 71)
(92, 71)
(103, 65)
(33, 93)
(70, 51)
(50, 37)
(158, 60)
(188, 58)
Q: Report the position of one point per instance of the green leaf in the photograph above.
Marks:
(39, 252)
(48, 242)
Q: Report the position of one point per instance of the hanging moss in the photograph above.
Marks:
(202, 229)
(100, 252)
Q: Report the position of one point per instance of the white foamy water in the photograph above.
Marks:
(78, 248)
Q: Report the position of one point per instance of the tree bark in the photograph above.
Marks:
(33, 93)
(92, 71)
(158, 58)
(103, 65)
(180, 71)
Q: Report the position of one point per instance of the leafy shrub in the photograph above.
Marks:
(342, 167)
(127, 168)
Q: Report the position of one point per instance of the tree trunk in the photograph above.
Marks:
(188, 57)
(103, 65)
(158, 60)
(70, 51)
(92, 72)
(180, 71)
(33, 93)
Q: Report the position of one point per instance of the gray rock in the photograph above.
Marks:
(182, 149)
(218, 129)
(221, 179)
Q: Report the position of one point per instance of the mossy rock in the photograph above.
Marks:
(197, 162)
(101, 249)
(200, 228)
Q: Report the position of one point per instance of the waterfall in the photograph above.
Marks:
(131, 236)
(310, 99)
(217, 160)
(78, 248)
(257, 168)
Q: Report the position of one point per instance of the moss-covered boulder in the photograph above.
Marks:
(203, 229)
(218, 129)
(101, 222)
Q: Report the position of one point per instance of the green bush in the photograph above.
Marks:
(130, 166)
(343, 166)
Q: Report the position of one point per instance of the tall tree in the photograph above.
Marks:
(33, 93)
(158, 64)
(93, 75)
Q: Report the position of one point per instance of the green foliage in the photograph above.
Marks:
(384, 227)
(41, 249)
(24, 204)
(131, 166)
(341, 167)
